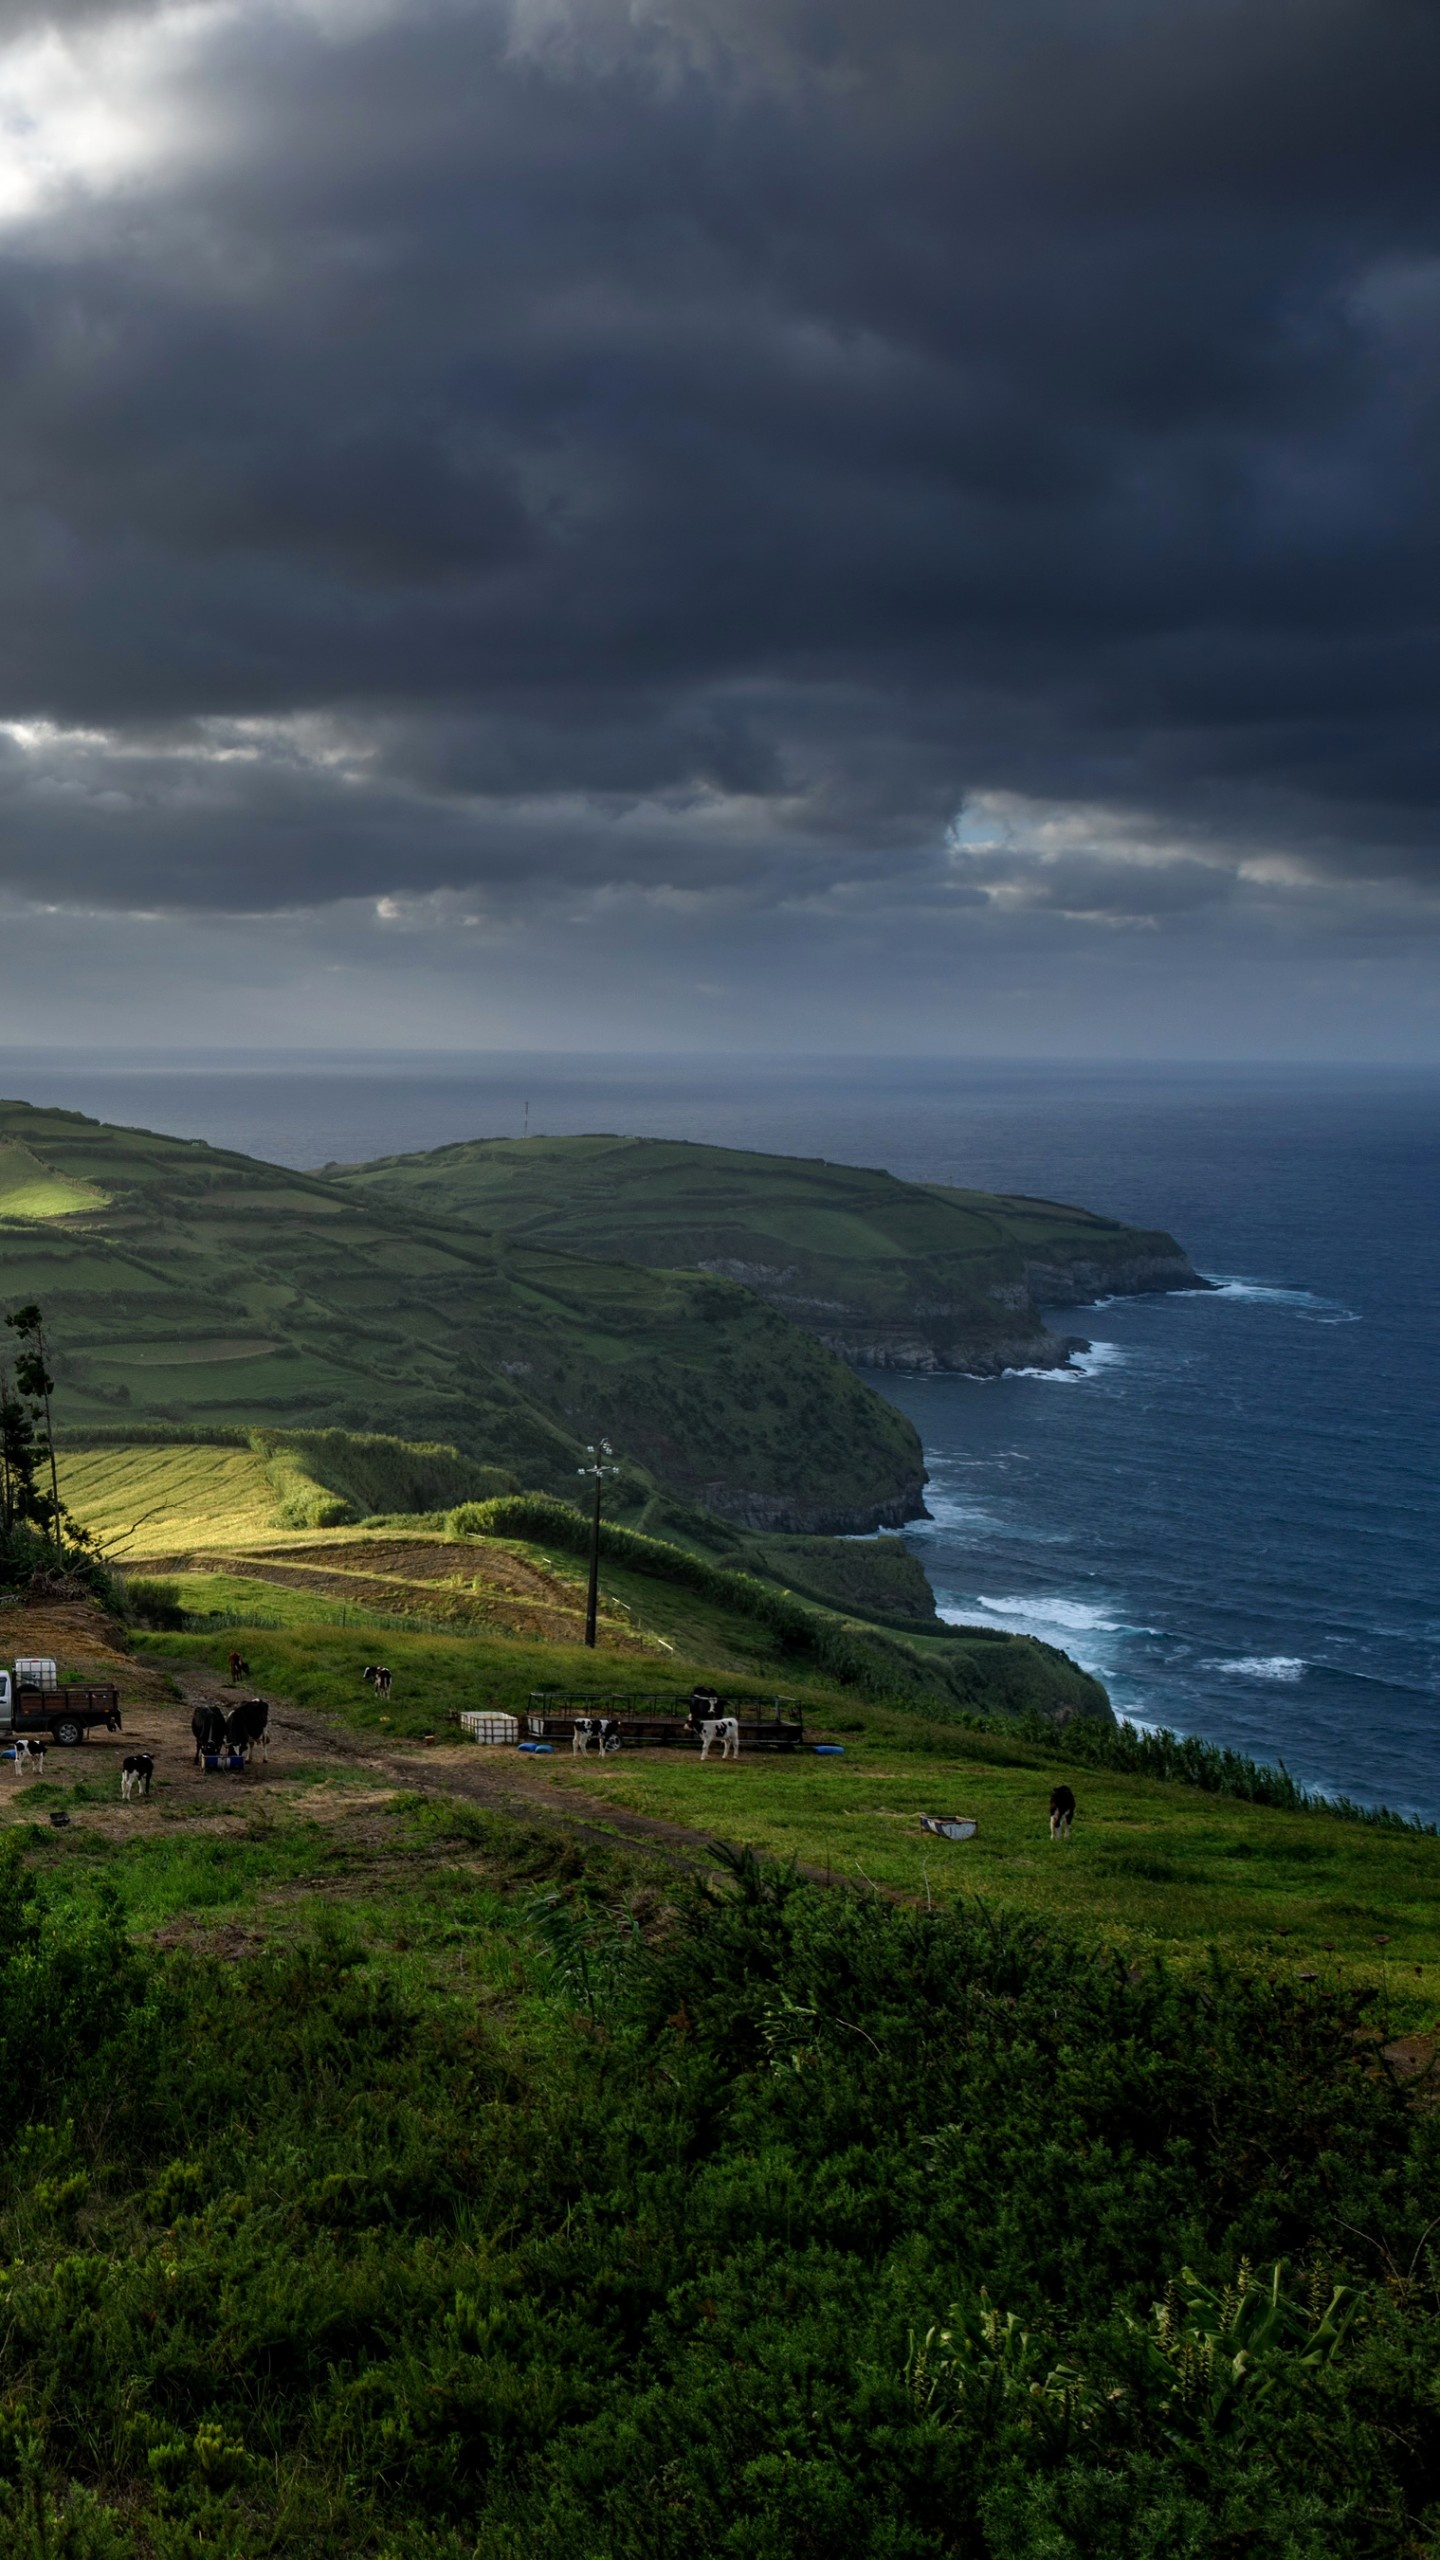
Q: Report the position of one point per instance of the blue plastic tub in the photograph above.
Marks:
(535, 1746)
(829, 1750)
(212, 1759)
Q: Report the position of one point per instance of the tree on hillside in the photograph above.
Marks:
(35, 1384)
(20, 1497)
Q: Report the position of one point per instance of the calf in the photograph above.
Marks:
(136, 1771)
(208, 1726)
(239, 1669)
(722, 1729)
(1062, 1812)
(246, 1725)
(30, 1754)
(603, 1731)
(378, 1677)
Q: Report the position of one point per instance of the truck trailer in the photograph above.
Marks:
(33, 1700)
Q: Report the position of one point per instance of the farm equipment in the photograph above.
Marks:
(663, 1722)
(34, 1700)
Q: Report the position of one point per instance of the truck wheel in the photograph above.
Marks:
(68, 1729)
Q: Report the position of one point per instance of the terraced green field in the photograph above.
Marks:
(140, 1502)
(192, 1287)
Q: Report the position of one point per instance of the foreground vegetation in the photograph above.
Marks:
(512, 2203)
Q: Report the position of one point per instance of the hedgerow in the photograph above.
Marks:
(869, 1661)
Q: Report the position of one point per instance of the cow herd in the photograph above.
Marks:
(235, 1734)
(232, 1733)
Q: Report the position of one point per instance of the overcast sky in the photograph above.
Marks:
(676, 522)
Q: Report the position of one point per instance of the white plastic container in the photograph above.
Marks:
(36, 1671)
(482, 1726)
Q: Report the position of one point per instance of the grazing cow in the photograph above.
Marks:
(603, 1731)
(239, 1669)
(136, 1771)
(378, 1677)
(722, 1729)
(246, 1725)
(208, 1726)
(1062, 1812)
(30, 1754)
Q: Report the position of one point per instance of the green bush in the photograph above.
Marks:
(151, 1603)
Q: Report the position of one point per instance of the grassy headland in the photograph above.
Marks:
(892, 1274)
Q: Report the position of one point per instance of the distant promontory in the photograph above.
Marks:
(889, 1274)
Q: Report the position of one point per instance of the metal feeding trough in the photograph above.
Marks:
(950, 1826)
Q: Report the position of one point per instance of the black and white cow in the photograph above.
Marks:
(722, 1729)
(136, 1771)
(30, 1754)
(378, 1677)
(247, 1725)
(603, 1731)
(1062, 1812)
(208, 1726)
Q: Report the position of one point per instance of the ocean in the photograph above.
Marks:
(1231, 1511)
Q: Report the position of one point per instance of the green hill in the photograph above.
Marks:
(199, 1290)
(890, 1274)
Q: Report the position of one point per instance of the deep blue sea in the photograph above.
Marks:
(1232, 1512)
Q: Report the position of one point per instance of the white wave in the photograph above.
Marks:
(1262, 1666)
(1081, 1364)
(1306, 1302)
(1101, 1355)
(1023, 1613)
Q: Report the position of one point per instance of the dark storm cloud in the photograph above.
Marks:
(701, 448)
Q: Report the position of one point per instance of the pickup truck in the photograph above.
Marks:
(33, 1701)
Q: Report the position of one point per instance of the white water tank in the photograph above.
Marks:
(481, 1726)
(36, 1671)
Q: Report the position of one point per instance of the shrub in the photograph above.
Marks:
(149, 1603)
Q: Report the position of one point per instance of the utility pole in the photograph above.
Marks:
(599, 1452)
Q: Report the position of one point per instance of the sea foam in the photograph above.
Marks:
(1262, 1666)
(1305, 1302)
(1023, 1612)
